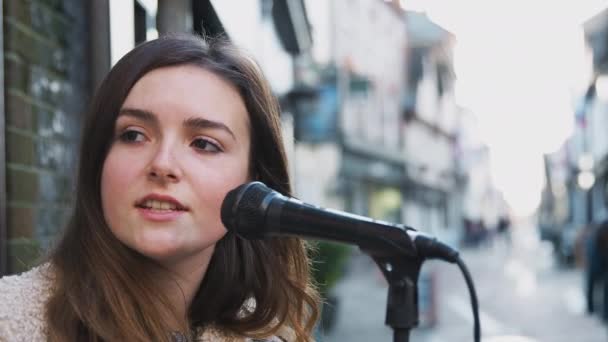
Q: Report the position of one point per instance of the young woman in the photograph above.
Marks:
(176, 124)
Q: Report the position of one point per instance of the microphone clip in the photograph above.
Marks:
(402, 303)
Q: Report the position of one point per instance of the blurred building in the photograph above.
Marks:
(482, 205)
(432, 194)
(576, 175)
(392, 141)
(358, 164)
(56, 52)
(593, 116)
(562, 208)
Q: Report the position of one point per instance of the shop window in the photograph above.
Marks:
(385, 204)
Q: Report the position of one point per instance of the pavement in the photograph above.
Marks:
(523, 296)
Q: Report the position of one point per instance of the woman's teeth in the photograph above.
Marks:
(159, 205)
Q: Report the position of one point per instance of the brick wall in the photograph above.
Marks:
(46, 89)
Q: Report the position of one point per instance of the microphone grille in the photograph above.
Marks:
(242, 209)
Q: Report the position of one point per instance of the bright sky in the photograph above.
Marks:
(518, 63)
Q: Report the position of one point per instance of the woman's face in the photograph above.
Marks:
(181, 142)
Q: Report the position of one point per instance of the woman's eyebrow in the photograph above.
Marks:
(191, 123)
(200, 123)
(140, 114)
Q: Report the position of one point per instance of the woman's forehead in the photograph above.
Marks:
(189, 90)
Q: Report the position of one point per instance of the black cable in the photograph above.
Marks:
(474, 304)
(430, 248)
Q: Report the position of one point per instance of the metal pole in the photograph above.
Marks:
(3, 221)
(100, 54)
(174, 16)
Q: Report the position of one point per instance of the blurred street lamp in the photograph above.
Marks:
(585, 177)
(585, 162)
(601, 87)
(585, 180)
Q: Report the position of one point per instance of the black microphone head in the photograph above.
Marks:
(244, 209)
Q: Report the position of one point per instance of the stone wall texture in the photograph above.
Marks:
(46, 89)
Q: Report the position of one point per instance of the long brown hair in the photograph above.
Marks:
(104, 291)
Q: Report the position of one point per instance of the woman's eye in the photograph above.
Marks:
(205, 145)
(132, 136)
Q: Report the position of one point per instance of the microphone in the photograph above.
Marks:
(255, 211)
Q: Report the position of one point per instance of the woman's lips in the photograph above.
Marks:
(160, 215)
(159, 198)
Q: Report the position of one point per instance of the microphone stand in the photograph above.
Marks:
(402, 303)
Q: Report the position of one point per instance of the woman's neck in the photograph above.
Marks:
(182, 281)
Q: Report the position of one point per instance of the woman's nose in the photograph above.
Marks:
(164, 166)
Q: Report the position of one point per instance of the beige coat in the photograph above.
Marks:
(22, 299)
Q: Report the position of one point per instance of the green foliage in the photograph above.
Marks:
(328, 264)
(23, 253)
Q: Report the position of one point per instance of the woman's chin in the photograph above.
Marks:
(161, 254)
(175, 256)
(161, 248)
(170, 244)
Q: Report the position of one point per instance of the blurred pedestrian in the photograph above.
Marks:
(177, 123)
(596, 266)
(503, 229)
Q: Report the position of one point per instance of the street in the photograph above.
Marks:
(523, 297)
